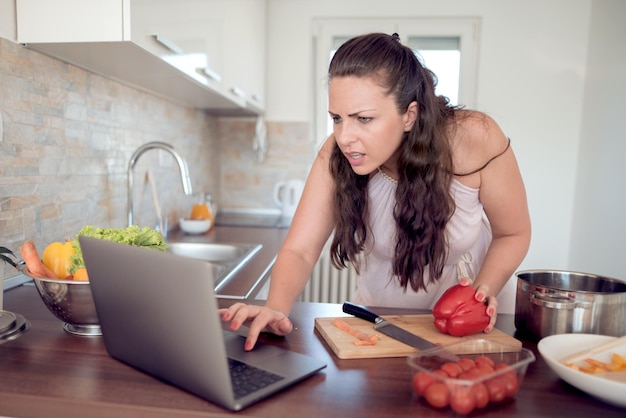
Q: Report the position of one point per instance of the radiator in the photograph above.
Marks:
(328, 284)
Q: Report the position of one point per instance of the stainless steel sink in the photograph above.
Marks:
(227, 258)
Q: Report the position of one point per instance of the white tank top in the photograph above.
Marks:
(468, 234)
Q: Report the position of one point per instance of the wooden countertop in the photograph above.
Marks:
(48, 372)
(246, 282)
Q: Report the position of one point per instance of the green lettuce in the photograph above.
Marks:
(133, 235)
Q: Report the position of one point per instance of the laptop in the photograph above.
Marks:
(159, 314)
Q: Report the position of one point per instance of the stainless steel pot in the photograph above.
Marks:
(554, 302)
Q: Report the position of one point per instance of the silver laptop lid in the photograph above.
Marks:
(158, 313)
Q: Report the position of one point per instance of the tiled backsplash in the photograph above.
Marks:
(245, 181)
(67, 136)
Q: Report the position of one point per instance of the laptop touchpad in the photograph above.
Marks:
(234, 348)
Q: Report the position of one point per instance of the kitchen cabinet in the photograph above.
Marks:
(204, 54)
(244, 58)
(230, 34)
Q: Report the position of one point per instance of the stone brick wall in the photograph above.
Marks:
(66, 136)
(248, 182)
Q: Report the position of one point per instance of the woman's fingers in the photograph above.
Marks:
(261, 319)
(238, 314)
(465, 281)
(491, 302)
(492, 311)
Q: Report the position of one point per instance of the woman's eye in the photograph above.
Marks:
(335, 119)
(364, 119)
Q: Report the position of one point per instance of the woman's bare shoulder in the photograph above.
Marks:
(475, 140)
(325, 149)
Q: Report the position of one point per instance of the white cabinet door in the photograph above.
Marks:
(245, 52)
(221, 40)
(72, 21)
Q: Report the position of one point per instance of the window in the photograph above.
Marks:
(443, 57)
(446, 46)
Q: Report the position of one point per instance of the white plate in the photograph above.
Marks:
(556, 347)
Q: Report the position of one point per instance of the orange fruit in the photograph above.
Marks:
(201, 211)
(81, 274)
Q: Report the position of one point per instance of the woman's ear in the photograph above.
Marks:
(410, 116)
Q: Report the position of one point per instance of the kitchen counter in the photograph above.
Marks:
(249, 280)
(252, 218)
(48, 372)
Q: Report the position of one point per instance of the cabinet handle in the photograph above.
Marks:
(238, 92)
(209, 73)
(169, 44)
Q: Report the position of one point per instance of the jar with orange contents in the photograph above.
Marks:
(203, 209)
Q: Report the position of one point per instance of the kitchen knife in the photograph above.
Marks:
(386, 327)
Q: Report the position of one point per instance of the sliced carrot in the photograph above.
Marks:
(33, 261)
(593, 366)
(371, 341)
(619, 360)
(362, 338)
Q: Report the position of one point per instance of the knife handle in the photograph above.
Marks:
(360, 312)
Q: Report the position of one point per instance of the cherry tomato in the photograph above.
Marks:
(496, 389)
(484, 360)
(471, 374)
(437, 394)
(462, 400)
(503, 366)
(466, 363)
(452, 369)
(421, 380)
(511, 384)
(509, 378)
(481, 395)
(484, 369)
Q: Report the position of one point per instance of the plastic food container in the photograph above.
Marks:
(472, 374)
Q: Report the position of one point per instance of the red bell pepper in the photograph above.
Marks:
(458, 313)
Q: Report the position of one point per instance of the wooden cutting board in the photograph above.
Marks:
(342, 343)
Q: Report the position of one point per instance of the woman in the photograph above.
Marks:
(420, 195)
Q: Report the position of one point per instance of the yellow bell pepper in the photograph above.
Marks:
(57, 256)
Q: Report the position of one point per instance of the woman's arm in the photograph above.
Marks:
(309, 231)
(503, 196)
(310, 228)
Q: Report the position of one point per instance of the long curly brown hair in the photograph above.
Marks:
(423, 202)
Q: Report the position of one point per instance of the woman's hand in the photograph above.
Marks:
(259, 318)
(491, 301)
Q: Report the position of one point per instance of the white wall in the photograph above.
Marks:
(8, 27)
(599, 227)
(531, 78)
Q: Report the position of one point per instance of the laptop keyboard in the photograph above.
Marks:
(247, 379)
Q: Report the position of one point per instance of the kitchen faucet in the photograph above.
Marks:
(182, 165)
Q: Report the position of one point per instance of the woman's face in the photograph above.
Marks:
(366, 123)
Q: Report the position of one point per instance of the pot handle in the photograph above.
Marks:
(556, 301)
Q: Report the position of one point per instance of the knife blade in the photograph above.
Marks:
(386, 327)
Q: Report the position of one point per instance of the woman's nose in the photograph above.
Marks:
(343, 136)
